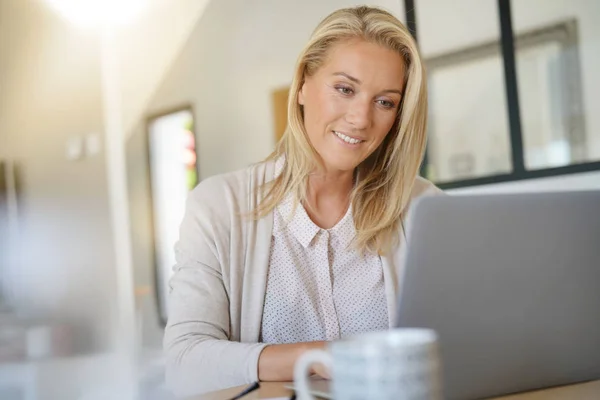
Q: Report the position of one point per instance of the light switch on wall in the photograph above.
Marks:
(92, 144)
(74, 148)
(78, 147)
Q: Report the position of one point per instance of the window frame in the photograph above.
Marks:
(519, 171)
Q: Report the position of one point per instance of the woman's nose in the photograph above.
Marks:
(359, 114)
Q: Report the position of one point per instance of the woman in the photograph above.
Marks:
(307, 246)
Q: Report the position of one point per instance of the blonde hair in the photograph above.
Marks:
(385, 179)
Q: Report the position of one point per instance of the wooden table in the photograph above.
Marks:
(581, 391)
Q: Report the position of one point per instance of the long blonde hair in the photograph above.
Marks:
(385, 178)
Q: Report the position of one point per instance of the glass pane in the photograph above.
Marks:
(173, 176)
(557, 71)
(468, 121)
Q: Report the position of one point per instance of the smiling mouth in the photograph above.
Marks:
(347, 139)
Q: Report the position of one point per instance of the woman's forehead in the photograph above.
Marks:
(367, 62)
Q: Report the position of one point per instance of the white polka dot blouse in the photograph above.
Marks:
(319, 287)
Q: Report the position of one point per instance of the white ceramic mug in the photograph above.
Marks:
(398, 364)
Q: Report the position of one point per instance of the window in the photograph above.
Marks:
(507, 105)
(173, 174)
(549, 82)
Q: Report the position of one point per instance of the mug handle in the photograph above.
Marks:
(302, 367)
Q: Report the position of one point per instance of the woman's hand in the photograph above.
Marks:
(276, 362)
(321, 371)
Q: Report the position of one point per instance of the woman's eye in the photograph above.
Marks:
(344, 90)
(386, 103)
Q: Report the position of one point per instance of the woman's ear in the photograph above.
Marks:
(301, 94)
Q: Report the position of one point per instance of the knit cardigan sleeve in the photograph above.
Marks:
(201, 355)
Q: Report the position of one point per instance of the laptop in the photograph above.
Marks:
(511, 283)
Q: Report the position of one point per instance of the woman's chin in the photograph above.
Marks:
(341, 164)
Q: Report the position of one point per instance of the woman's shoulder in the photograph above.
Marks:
(424, 187)
(421, 188)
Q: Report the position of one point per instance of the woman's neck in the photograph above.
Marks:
(328, 197)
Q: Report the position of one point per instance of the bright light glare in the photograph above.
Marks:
(98, 13)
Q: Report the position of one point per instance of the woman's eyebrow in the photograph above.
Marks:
(345, 75)
(358, 82)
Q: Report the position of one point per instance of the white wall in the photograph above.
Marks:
(51, 92)
(142, 239)
(147, 47)
(239, 52)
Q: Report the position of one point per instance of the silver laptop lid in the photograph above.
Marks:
(512, 285)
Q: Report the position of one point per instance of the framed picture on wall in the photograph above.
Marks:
(280, 101)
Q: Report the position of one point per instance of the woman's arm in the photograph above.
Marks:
(276, 362)
(199, 355)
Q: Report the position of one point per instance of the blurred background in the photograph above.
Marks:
(111, 111)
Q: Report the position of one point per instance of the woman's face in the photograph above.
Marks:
(351, 102)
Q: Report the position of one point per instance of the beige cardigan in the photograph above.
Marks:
(218, 288)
